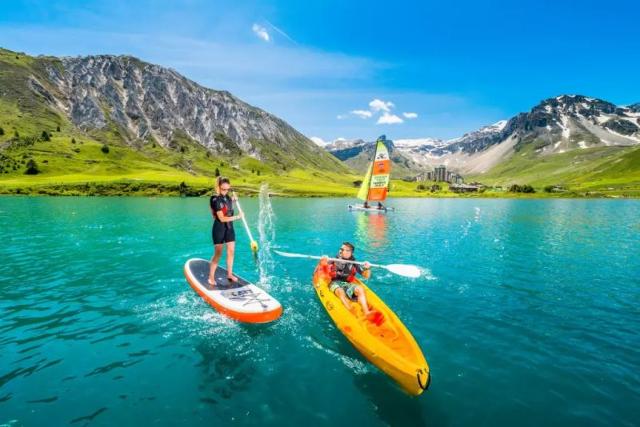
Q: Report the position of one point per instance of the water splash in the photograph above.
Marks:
(266, 237)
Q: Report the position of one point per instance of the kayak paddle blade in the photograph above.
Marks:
(291, 255)
(404, 270)
(254, 246)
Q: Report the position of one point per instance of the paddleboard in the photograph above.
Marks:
(241, 300)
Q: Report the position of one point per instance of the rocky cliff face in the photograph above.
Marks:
(146, 102)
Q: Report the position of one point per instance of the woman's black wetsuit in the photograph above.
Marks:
(222, 232)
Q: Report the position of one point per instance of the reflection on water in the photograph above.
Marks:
(372, 229)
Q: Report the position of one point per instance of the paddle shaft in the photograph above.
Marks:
(340, 260)
(401, 269)
(244, 220)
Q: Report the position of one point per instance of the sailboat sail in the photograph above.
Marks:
(364, 187)
(376, 182)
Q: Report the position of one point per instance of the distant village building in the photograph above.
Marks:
(464, 188)
(440, 173)
(456, 179)
(423, 176)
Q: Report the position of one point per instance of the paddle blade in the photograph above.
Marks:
(254, 246)
(289, 254)
(404, 270)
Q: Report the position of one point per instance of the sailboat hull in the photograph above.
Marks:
(374, 210)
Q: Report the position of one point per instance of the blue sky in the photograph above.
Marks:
(358, 69)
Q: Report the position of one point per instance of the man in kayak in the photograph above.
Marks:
(343, 274)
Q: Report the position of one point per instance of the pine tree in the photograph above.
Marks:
(45, 136)
(217, 172)
(32, 168)
(1, 131)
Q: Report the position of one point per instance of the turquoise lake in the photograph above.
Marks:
(528, 313)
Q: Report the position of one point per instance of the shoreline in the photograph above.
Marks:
(156, 189)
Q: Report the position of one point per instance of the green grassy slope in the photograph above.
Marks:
(73, 161)
(608, 169)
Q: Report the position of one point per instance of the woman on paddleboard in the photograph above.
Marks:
(223, 233)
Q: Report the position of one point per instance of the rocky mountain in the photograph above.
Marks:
(357, 154)
(567, 123)
(137, 103)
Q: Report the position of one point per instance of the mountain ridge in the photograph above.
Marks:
(139, 103)
(557, 125)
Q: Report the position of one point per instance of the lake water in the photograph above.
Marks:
(528, 313)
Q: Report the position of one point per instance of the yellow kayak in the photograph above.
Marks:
(388, 344)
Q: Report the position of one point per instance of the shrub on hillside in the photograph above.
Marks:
(183, 188)
(45, 136)
(105, 149)
(217, 172)
(32, 168)
(515, 188)
(528, 189)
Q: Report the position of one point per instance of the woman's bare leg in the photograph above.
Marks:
(217, 254)
(231, 250)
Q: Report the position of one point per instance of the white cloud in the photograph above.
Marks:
(341, 116)
(319, 141)
(380, 105)
(261, 32)
(410, 115)
(389, 119)
(363, 114)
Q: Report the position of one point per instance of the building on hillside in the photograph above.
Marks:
(440, 173)
(463, 188)
(422, 176)
(456, 179)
